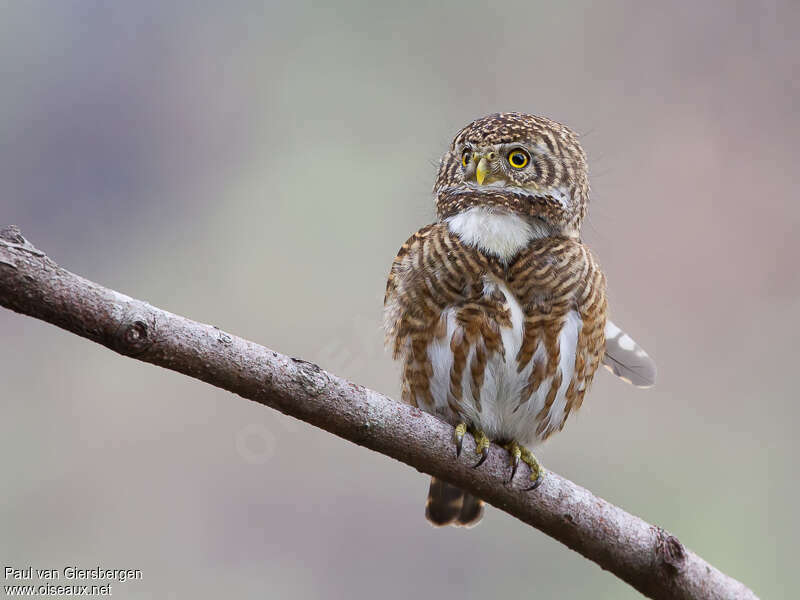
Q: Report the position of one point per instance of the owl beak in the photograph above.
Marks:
(482, 170)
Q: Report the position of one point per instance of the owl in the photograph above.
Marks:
(497, 312)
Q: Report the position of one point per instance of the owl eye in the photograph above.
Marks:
(518, 159)
(465, 158)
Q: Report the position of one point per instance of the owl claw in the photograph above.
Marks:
(482, 444)
(484, 456)
(514, 465)
(536, 469)
(515, 451)
(461, 429)
(520, 453)
(535, 485)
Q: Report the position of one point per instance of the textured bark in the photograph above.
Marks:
(647, 557)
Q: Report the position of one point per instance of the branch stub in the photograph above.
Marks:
(135, 334)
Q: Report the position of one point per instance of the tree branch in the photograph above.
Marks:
(647, 557)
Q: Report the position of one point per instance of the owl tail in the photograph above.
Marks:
(626, 359)
(449, 505)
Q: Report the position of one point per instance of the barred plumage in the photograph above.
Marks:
(498, 310)
(548, 279)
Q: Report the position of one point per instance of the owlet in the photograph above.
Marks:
(497, 311)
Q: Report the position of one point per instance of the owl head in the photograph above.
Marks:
(520, 164)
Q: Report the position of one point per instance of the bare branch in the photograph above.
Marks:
(647, 557)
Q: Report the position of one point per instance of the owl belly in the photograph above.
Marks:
(491, 390)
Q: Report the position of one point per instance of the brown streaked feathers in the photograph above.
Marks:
(497, 311)
(450, 505)
(434, 270)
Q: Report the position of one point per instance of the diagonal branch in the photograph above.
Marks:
(647, 557)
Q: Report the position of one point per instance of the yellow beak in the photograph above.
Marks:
(482, 170)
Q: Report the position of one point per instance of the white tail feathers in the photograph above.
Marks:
(626, 359)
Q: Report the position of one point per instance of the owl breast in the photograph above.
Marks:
(501, 370)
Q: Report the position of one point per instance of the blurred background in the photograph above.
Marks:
(256, 166)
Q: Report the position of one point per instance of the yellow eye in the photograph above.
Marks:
(465, 158)
(518, 159)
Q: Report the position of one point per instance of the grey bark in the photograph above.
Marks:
(647, 557)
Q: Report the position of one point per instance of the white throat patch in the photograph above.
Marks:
(495, 232)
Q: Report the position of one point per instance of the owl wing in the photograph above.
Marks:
(563, 294)
(423, 281)
(431, 272)
(626, 359)
(409, 306)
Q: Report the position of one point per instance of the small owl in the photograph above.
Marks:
(497, 311)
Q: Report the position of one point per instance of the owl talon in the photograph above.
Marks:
(461, 429)
(482, 444)
(514, 465)
(536, 469)
(484, 456)
(516, 451)
(535, 485)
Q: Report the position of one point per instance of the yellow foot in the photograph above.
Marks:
(521, 452)
(482, 444)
